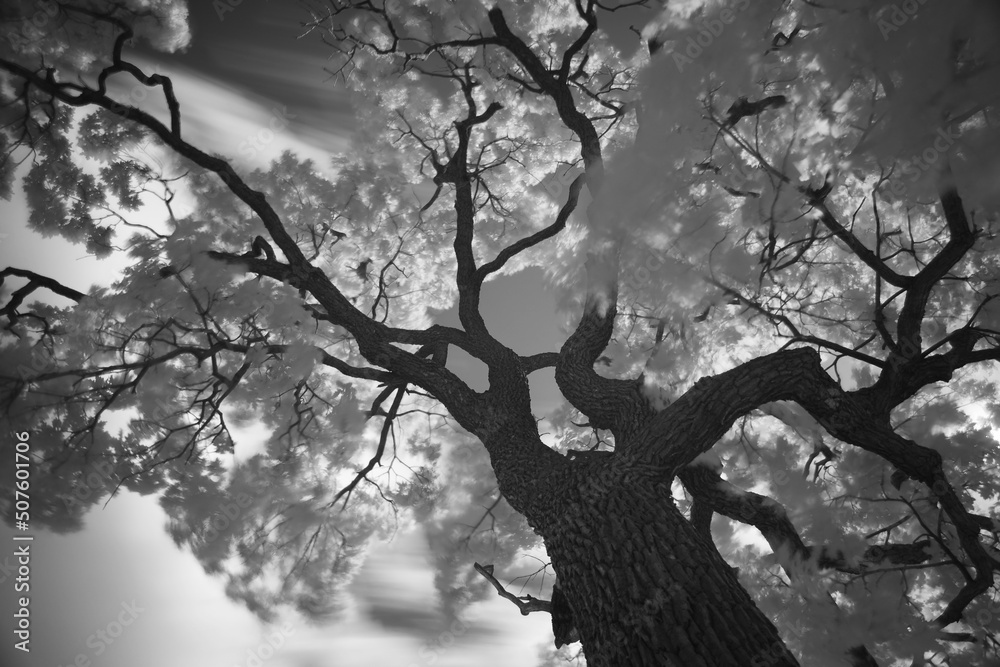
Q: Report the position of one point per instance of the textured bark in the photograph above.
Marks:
(645, 587)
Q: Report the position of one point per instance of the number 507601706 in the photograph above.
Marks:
(22, 472)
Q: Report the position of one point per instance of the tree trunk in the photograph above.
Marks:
(646, 589)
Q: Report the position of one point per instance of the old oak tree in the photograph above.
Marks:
(773, 230)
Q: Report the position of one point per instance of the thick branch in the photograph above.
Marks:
(961, 240)
(900, 384)
(119, 64)
(617, 405)
(42, 281)
(711, 493)
(850, 419)
(539, 361)
(769, 517)
(693, 423)
(35, 281)
(559, 90)
(882, 270)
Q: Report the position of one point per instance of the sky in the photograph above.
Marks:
(119, 593)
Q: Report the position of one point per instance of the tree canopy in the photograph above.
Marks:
(773, 229)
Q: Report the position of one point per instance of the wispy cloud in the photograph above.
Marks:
(246, 127)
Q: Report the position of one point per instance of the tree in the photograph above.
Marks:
(776, 227)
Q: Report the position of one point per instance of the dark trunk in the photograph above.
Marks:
(646, 589)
